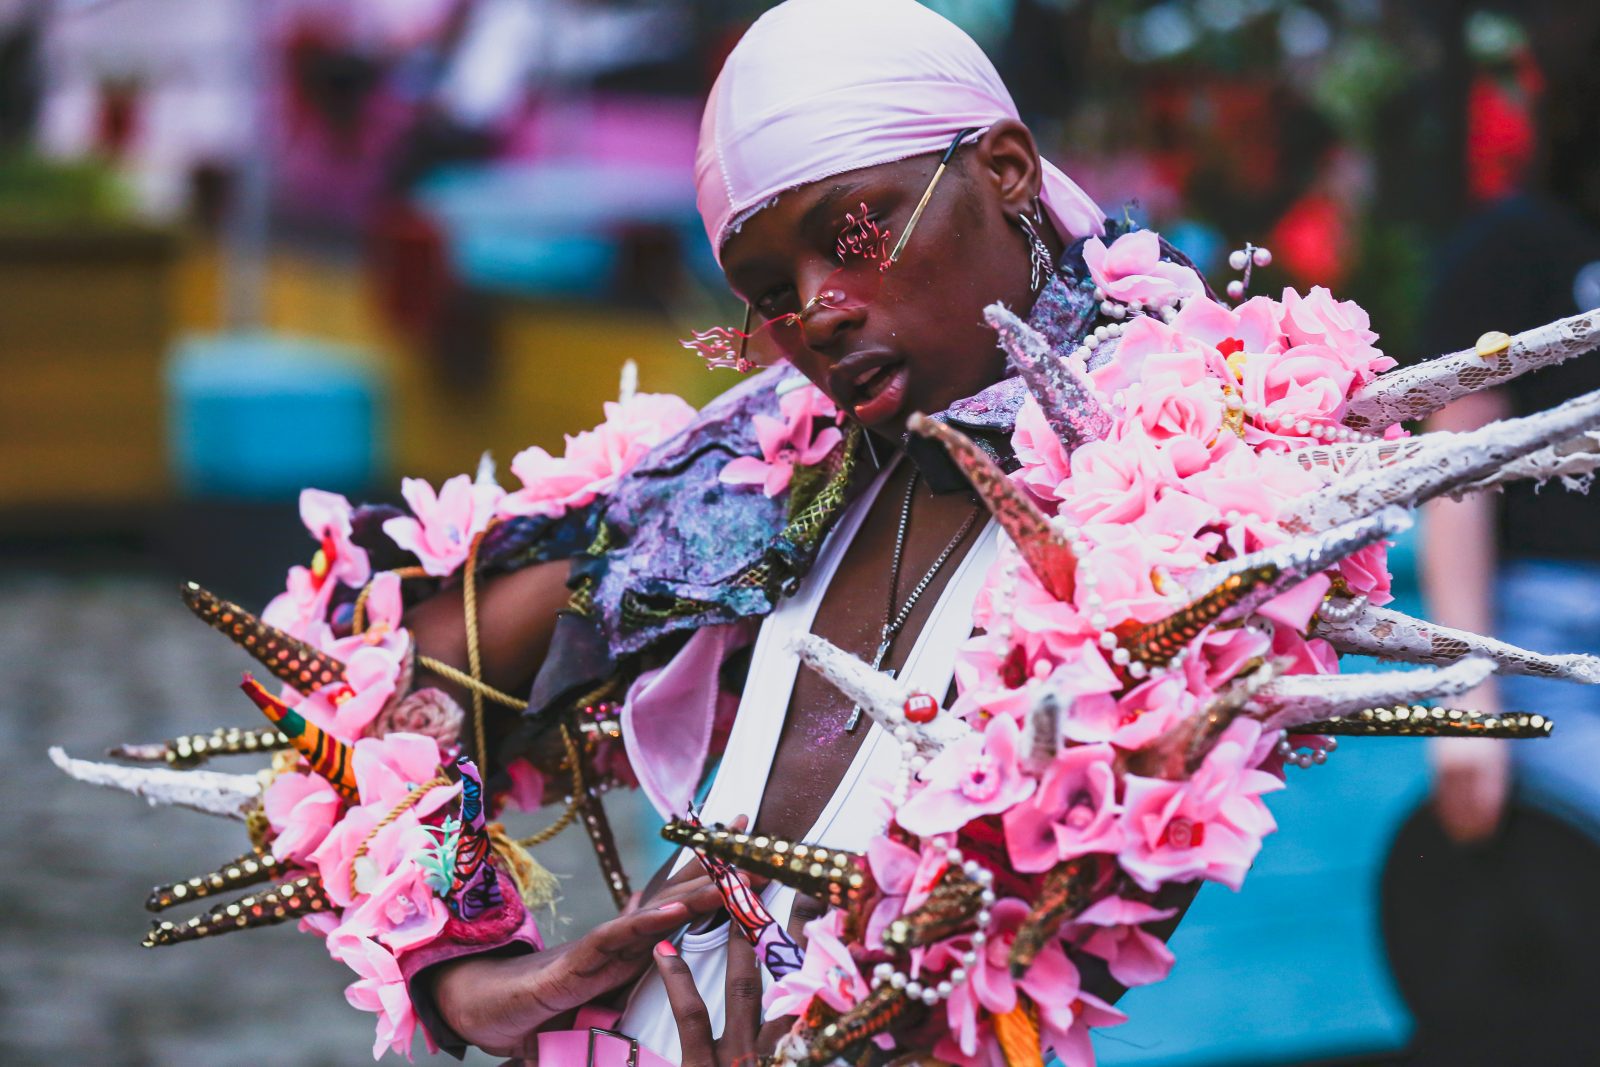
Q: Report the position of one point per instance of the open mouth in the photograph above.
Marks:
(880, 392)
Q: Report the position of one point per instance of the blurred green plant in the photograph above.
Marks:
(47, 193)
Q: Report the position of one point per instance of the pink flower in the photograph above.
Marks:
(904, 878)
(1366, 572)
(400, 910)
(977, 775)
(596, 459)
(301, 809)
(786, 443)
(1134, 956)
(1115, 481)
(1071, 1043)
(1132, 271)
(1308, 381)
(1073, 812)
(346, 710)
(1185, 418)
(327, 516)
(441, 533)
(1253, 325)
(429, 712)
(1207, 827)
(387, 768)
(381, 988)
(1039, 450)
(829, 972)
(1342, 326)
(1148, 344)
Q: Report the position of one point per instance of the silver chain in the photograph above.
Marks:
(893, 623)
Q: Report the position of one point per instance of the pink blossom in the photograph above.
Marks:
(441, 533)
(829, 972)
(786, 443)
(1115, 481)
(1207, 827)
(1308, 381)
(978, 775)
(1184, 418)
(1039, 450)
(904, 878)
(596, 459)
(335, 857)
(427, 711)
(1366, 572)
(381, 988)
(1342, 326)
(1134, 719)
(346, 710)
(1132, 271)
(301, 808)
(387, 768)
(1147, 344)
(1072, 813)
(1134, 956)
(1253, 324)
(400, 909)
(327, 516)
(527, 785)
(1071, 1043)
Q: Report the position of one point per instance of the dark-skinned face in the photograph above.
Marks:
(920, 343)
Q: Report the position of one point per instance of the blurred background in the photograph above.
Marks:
(252, 245)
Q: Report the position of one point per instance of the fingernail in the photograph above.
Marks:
(665, 948)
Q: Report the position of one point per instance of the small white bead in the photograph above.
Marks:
(913, 989)
(978, 939)
(1115, 329)
(953, 855)
(946, 988)
(898, 980)
(1108, 640)
(1332, 744)
(1119, 656)
(883, 970)
(957, 976)
(1236, 290)
(984, 876)
(1099, 621)
(1262, 257)
(968, 958)
(1137, 669)
(930, 997)
(1105, 308)
(987, 896)
(1099, 293)
(1118, 311)
(1091, 342)
(1319, 757)
(1101, 333)
(1302, 427)
(1237, 259)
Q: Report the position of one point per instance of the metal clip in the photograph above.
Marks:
(633, 1046)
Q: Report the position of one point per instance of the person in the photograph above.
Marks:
(823, 107)
(1525, 565)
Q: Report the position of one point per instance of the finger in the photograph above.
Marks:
(694, 1022)
(803, 910)
(770, 1033)
(742, 990)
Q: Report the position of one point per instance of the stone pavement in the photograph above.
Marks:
(87, 661)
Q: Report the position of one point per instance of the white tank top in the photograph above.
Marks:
(855, 812)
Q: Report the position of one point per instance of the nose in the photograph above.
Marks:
(829, 316)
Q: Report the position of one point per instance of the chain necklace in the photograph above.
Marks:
(894, 622)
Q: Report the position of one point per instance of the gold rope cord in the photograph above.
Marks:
(469, 601)
(575, 762)
(358, 619)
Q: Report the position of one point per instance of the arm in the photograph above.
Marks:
(1471, 776)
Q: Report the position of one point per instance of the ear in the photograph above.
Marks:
(1008, 161)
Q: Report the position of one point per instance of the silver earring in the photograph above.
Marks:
(1041, 264)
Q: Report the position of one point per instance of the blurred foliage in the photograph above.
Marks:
(47, 193)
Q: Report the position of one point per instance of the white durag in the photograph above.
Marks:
(819, 87)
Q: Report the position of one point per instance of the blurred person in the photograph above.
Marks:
(1525, 564)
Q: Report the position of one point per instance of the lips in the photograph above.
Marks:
(871, 385)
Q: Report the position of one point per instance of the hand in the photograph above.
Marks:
(499, 1004)
(1471, 779)
(744, 1037)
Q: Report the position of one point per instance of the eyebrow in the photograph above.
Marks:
(827, 204)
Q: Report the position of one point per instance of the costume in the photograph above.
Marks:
(1189, 501)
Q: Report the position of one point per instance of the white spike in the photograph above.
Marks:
(1296, 699)
(1442, 462)
(1417, 391)
(1041, 731)
(210, 792)
(1394, 635)
(879, 695)
(1574, 461)
(485, 476)
(1066, 397)
(628, 383)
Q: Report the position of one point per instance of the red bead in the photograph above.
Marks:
(921, 708)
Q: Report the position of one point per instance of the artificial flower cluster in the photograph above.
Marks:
(1208, 405)
(379, 857)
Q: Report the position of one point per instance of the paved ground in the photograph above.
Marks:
(88, 660)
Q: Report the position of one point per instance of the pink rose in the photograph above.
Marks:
(596, 459)
(1039, 450)
(1253, 325)
(429, 712)
(1186, 419)
(301, 808)
(978, 775)
(1149, 345)
(1342, 326)
(400, 909)
(1132, 271)
(1115, 934)
(1207, 827)
(441, 532)
(1072, 813)
(1307, 382)
(381, 989)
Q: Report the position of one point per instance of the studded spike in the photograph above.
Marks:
(1066, 891)
(192, 750)
(291, 661)
(839, 879)
(1042, 545)
(279, 904)
(1156, 643)
(885, 1007)
(252, 868)
(1414, 720)
(949, 908)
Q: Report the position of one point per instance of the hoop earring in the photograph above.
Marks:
(1041, 264)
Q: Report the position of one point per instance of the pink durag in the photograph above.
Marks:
(820, 87)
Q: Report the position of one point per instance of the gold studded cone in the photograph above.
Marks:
(1065, 892)
(952, 905)
(291, 660)
(279, 904)
(838, 879)
(1414, 720)
(884, 1007)
(191, 750)
(1156, 643)
(252, 868)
